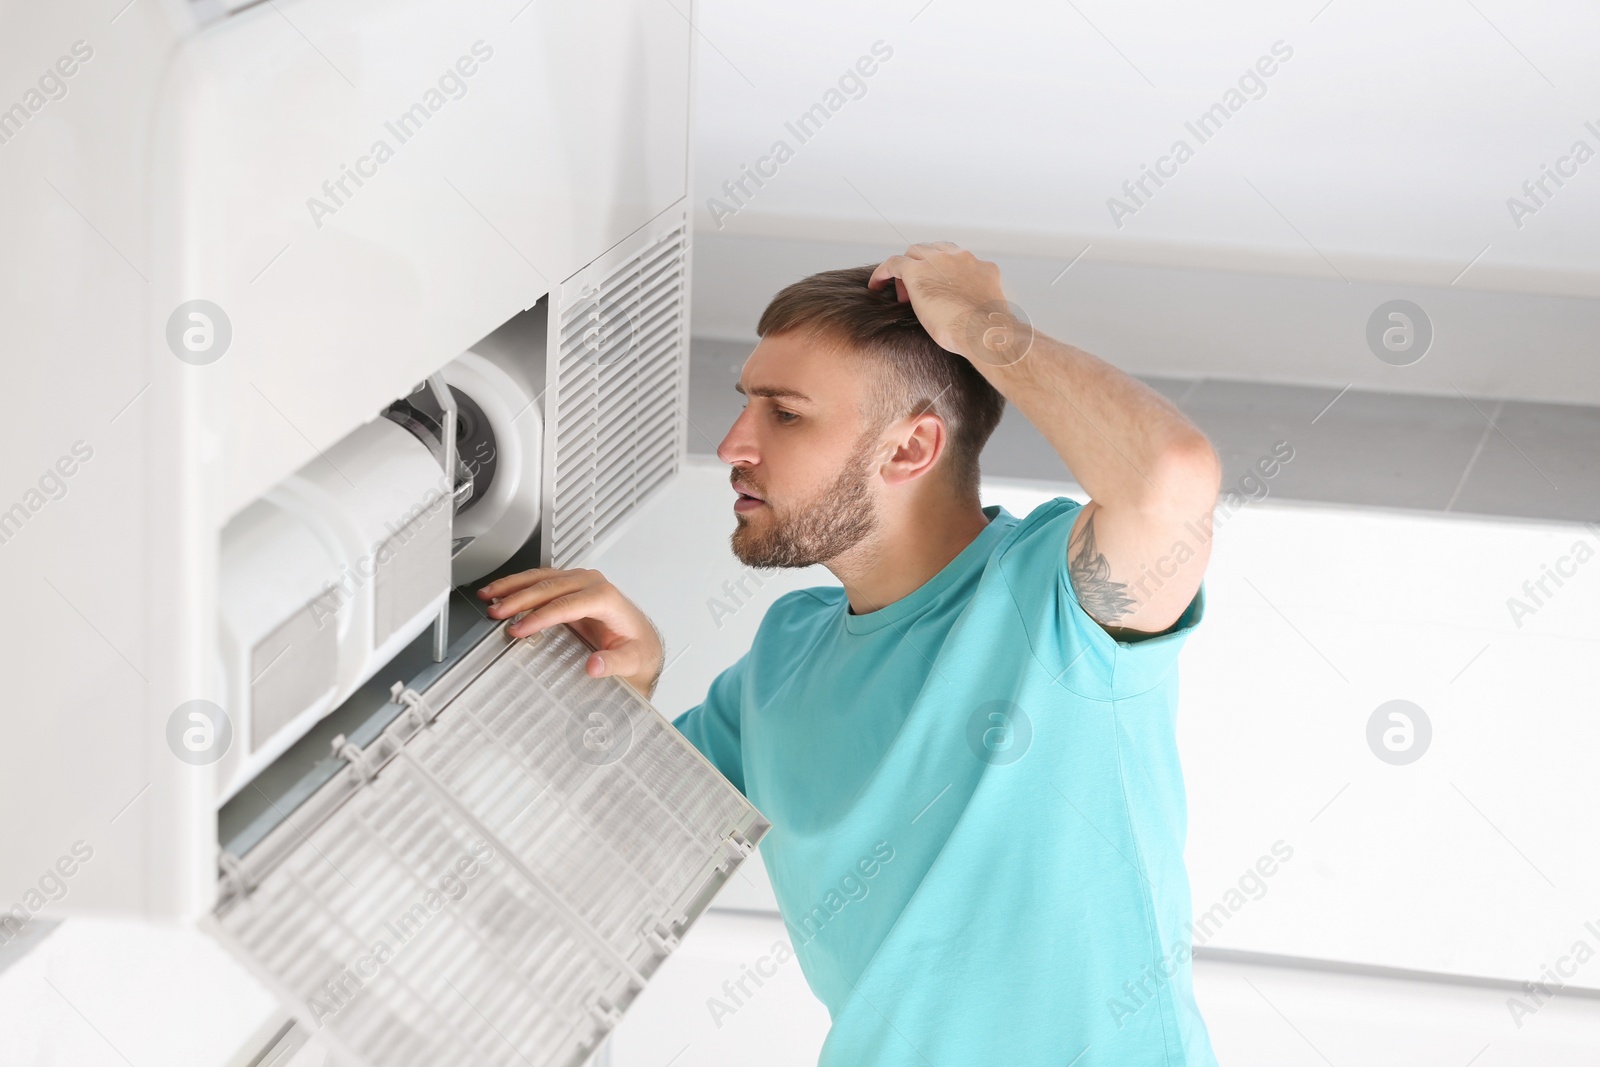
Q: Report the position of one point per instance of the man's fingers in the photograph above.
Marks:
(573, 607)
(629, 646)
(922, 248)
(917, 253)
(500, 587)
(893, 267)
(626, 660)
(902, 268)
(897, 268)
(536, 592)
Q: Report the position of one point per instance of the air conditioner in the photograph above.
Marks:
(351, 303)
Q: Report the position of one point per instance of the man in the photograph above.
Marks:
(967, 750)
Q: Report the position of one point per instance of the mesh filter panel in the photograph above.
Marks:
(493, 895)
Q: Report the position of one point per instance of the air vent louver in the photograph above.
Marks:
(617, 390)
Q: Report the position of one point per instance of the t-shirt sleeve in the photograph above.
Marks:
(1066, 640)
(713, 726)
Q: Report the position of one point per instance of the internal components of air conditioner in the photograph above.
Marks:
(499, 441)
(323, 580)
(345, 562)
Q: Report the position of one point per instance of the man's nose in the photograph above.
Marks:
(739, 444)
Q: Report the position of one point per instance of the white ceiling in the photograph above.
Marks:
(1385, 148)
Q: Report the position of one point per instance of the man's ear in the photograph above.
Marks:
(918, 442)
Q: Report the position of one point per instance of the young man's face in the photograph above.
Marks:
(802, 451)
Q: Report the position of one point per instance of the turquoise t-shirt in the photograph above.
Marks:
(977, 813)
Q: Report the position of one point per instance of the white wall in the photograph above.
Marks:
(1257, 1016)
(1198, 322)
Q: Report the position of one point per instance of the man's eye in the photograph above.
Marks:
(785, 416)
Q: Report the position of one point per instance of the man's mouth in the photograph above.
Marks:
(746, 500)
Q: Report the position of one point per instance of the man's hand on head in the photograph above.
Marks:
(628, 644)
(1150, 473)
(958, 299)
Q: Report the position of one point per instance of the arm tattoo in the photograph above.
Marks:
(1101, 597)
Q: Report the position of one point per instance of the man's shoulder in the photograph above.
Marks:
(811, 602)
(796, 618)
(1045, 521)
(1057, 507)
(803, 609)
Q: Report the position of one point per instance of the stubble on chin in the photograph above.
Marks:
(837, 521)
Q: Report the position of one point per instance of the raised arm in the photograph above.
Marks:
(1139, 548)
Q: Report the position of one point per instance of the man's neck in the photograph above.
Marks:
(905, 552)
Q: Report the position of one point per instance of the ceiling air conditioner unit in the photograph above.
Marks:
(324, 370)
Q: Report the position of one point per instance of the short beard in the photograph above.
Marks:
(839, 519)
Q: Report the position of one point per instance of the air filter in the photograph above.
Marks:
(495, 876)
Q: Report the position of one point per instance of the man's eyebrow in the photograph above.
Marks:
(773, 391)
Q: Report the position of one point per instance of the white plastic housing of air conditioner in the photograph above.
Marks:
(183, 165)
(191, 158)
